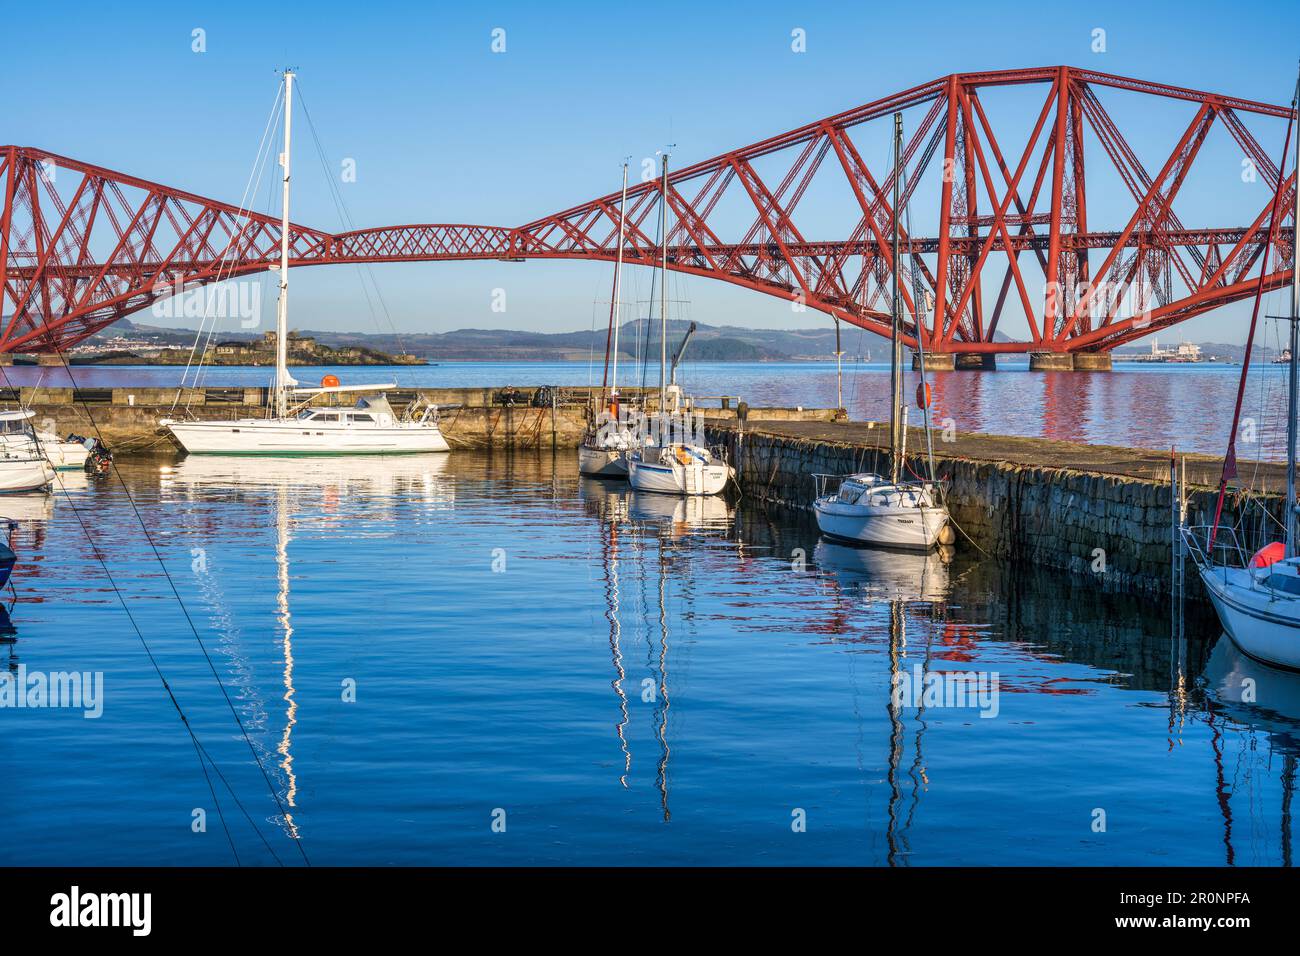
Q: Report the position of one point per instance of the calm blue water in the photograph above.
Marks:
(1137, 405)
(627, 678)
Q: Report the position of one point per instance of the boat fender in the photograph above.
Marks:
(1267, 555)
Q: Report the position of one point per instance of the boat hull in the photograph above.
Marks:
(676, 479)
(1267, 630)
(601, 462)
(269, 437)
(7, 561)
(63, 455)
(25, 474)
(884, 526)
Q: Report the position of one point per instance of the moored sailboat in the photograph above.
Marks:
(1257, 597)
(24, 469)
(607, 441)
(887, 511)
(370, 428)
(666, 463)
(17, 431)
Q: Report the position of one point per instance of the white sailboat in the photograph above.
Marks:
(17, 431)
(887, 511)
(662, 465)
(370, 428)
(604, 448)
(1258, 597)
(23, 466)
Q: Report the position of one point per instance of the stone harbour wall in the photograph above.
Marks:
(1117, 530)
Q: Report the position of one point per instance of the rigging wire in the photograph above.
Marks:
(162, 565)
(918, 318)
(180, 602)
(201, 373)
(226, 262)
(200, 750)
(654, 282)
(1230, 458)
(365, 271)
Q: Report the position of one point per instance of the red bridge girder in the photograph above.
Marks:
(82, 246)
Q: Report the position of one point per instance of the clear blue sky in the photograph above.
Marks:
(442, 129)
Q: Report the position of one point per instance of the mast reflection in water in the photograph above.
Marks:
(416, 644)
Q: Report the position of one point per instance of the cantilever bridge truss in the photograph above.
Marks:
(1002, 202)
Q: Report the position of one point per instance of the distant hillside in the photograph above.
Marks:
(712, 343)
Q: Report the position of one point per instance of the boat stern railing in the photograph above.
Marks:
(824, 486)
(1228, 550)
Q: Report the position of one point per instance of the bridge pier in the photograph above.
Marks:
(6, 359)
(49, 360)
(1092, 361)
(934, 361)
(977, 362)
(1051, 362)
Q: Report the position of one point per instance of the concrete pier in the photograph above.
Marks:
(1051, 362)
(977, 362)
(959, 361)
(1092, 361)
(934, 361)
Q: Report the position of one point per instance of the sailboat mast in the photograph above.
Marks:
(1293, 389)
(663, 291)
(282, 306)
(618, 276)
(896, 352)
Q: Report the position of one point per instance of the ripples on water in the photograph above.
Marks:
(632, 679)
(1141, 406)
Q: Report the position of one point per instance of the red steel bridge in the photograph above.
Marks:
(1005, 201)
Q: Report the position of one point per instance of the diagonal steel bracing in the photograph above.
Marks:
(1002, 230)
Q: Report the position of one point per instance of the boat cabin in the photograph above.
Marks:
(874, 491)
(1281, 577)
(14, 423)
(372, 412)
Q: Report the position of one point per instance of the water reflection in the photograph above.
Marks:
(342, 490)
(701, 660)
(1047, 634)
(887, 575)
(1264, 702)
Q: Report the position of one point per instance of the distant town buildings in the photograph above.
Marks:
(302, 349)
